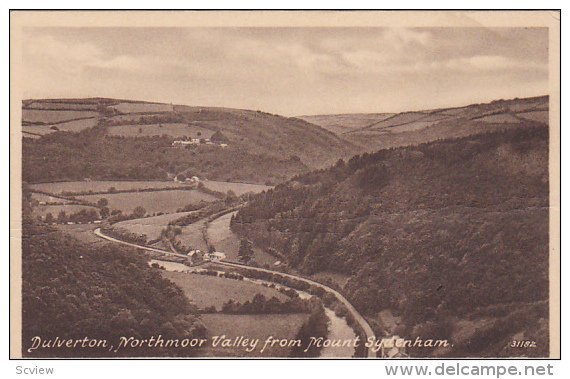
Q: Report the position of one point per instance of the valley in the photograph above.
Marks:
(368, 225)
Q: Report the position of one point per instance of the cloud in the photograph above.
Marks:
(286, 70)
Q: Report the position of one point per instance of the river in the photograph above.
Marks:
(338, 328)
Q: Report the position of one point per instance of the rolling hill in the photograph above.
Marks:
(66, 139)
(383, 130)
(451, 237)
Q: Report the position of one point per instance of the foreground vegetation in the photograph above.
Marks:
(72, 290)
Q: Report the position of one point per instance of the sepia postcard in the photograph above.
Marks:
(279, 184)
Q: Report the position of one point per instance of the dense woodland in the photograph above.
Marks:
(72, 290)
(438, 232)
(92, 154)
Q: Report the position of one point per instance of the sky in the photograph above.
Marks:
(289, 71)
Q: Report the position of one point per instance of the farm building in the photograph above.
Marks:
(182, 143)
(215, 256)
(195, 256)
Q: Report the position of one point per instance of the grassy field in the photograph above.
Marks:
(238, 188)
(192, 235)
(52, 117)
(152, 202)
(176, 130)
(252, 326)
(151, 226)
(83, 232)
(226, 241)
(342, 123)
(69, 126)
(101, 186)
(539, 116)
(142, 107)
(61, 106)
(205, 291)
(43, 210)
(48, 199)
(500, 119)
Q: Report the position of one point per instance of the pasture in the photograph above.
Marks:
(58, 105)
(538, 116)
(102, 186)
(176, 130)
(83, 232)
(192, 235)
(151, 226)
(285, 326)
(68, 126)
(40, 197)
(503, 118)
(153, 202)
(143, 107)
(54, 116)
(238, 188)
(224, 240)
(206, 291)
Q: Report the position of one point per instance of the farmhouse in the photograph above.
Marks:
(182, 143)
(195, 256)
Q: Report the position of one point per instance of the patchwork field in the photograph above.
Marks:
(54, 116)
(69, 126)
(101, 186)
(342, 123)
(238, 188)
(58, 105)
(43, 210)
(225, 241)
(176, 130)
(253, 326)
(205, 291)
(153, 202)
(151, 226)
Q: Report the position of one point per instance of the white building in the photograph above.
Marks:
(215, 256)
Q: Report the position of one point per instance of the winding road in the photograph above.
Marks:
(357, 316)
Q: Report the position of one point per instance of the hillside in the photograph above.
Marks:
(72, 290)
(451, 237)
(383, 130)
(119, 139)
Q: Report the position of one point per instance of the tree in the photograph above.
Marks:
(102, 202)
(139, 212)
(104, 212)
(62, 217)
(230, 197)
(49, 218)
(245, 253)
(219, 137)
